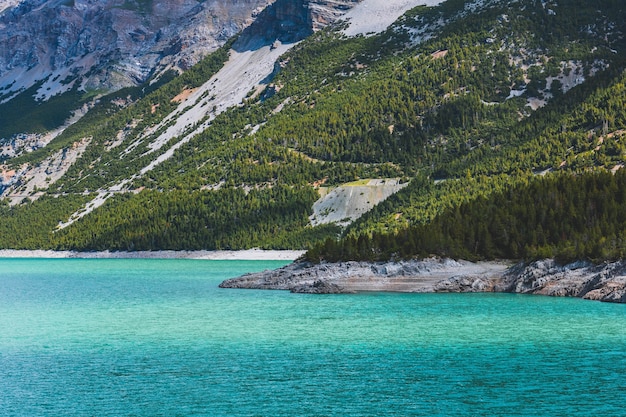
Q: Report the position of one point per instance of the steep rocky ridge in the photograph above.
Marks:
(285, 21)
(109, 44)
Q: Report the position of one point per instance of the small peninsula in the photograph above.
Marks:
(603, 282)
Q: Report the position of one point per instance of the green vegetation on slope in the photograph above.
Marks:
(271, 218)
(30, 226)
(563, 216)
(589, 136)
(453, 107)
(149, 104)
(25, 114)
(224, 219)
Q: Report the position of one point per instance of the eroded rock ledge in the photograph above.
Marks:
(605, 282)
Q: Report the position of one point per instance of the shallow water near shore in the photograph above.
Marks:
(119, 337)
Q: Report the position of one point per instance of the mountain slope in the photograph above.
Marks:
(57, 56)
(461, 99)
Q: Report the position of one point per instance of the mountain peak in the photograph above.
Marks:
(109, 44)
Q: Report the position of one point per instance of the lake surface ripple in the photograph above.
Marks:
(137, 337)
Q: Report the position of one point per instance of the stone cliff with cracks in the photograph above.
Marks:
(289, 21)
(106, 45)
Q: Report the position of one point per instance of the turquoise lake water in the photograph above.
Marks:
(158, 338)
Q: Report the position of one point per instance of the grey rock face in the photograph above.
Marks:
(464, 283)
(325, 12)
(110, 44)
(605, 282)
(429, 275)
(297, 274)
(113, 43)
(319, 287)
(289, 21)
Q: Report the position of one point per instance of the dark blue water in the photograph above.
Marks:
(158, 338)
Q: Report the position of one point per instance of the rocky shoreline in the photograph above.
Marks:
(604, 282)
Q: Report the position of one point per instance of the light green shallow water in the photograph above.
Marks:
(157, 337)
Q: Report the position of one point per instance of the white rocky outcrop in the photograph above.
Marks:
(374, 16)
(6, 4)
(344, 204)
(26, 183)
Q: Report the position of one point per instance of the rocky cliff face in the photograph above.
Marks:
(108, 44)
(605, 282)
(289, 21)
(324, 12)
